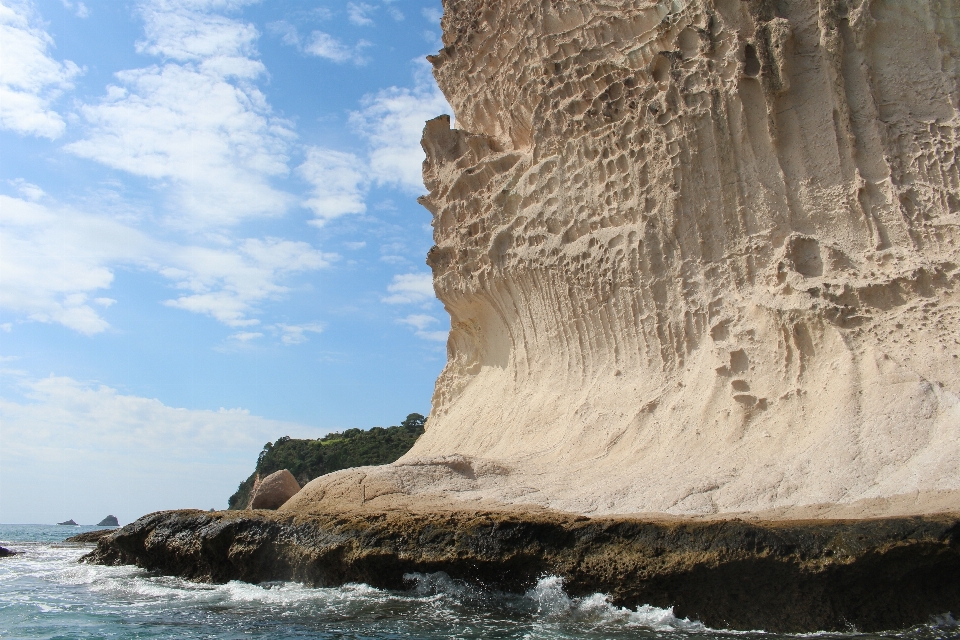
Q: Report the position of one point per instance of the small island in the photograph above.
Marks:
(109, 521)
(68, 523)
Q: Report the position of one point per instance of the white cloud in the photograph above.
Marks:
(227, 284)
(28, 190)
(196, 125)
(296, 333)
(410, 288)
(110, 448)
(338, 181)
(323, 45)
(7, 327)
(53, 259)
(432, 14)
(79, 8)
(246, 336)
(421, 322)
(392, 120)
(286, 32)
(66, 413)
(359, 13)
(353, 246)
(30, 80)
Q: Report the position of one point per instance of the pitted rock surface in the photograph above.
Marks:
(700, 257)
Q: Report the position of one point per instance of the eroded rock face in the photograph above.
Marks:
(274, 490)
(700, 256)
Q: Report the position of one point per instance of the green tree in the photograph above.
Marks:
(309, 459)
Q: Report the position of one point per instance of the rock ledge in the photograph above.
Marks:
(786, 576)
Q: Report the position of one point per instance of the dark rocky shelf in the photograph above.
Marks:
(787, 576)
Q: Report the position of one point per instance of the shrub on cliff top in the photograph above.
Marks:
(308, 459)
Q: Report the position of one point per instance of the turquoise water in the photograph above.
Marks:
(46, 593)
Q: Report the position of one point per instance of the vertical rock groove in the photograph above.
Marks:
(700, 256)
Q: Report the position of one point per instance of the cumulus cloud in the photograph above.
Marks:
(195, 123)
(30, 79)
(359, 13)
(52, 260)
(338, 183)
(410, 288)
(55, 260)
(323, 45)
(422, 323)
(228, 284)
(392, 122)
(79, 8)
(296, 333)
(246, 336)
(120, 453)
(62, 412)
(432, 14)
(319, 43)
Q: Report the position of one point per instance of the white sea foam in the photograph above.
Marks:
(554, 603)
(46, 586)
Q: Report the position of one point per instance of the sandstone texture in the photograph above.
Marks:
(274, 490)
(700, 257)
(778, 576)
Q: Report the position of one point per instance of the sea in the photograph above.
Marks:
(45, 592)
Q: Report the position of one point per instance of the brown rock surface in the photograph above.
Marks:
(778, 576)
(700, 257)
(89, 537)
(274, 490)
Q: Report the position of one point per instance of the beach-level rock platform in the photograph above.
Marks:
(784, 576)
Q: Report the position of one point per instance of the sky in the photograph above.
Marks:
(209, 239)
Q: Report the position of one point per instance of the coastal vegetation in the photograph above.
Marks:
(309, 459)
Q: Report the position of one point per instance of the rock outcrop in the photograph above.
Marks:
(700, 257)
(68, 523)
(89, 537)
(777, 576)
(109, 521)
(274, 490)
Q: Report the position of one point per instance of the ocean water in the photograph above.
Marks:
(46, 593)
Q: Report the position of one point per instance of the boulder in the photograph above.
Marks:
(7, 552)
(274, 490)
(109, 521)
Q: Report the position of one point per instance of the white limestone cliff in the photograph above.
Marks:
(700, 257)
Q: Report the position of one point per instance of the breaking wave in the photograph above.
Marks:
(46, 593)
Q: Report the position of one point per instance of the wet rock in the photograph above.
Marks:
(89, 537)
(786, 576)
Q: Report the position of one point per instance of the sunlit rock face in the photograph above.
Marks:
(700, 257)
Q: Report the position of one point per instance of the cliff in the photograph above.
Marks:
(700, 257)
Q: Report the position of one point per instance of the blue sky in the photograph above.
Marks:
(210, 239)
